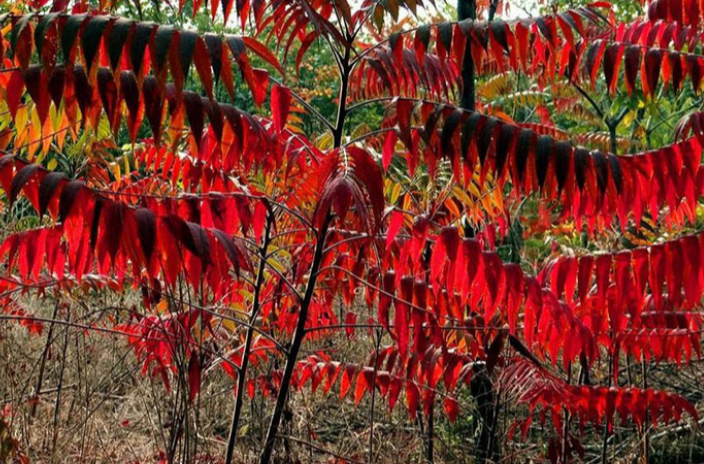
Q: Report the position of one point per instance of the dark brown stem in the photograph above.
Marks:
(591, 101)
(42, 366)
(481, 388)
(493, 448)
(612, 125)
(482, 391)
(584, 371)
(492, 9)
(311, 109)
(345, 71)
(566, 425)
(605, 445)
(300, 332)
(431, 431)
(296, 343)
(646, 440)
(57, 405)
(371, 413)
(242, 374)
(467, 9)
(613, 142)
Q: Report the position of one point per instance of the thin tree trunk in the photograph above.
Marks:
(467, 9)
(483, 393)
(57, 405)
(296, 343)
(371, 411)
(42, 366)
(339, 131)
(481, 387)
(431, 426)
(605, 445)
(300, 332)
(613, 141)
(612, 125)
(646, 440)
(242, 375)
(566, 425)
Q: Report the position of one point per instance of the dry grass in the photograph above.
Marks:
(95, 405)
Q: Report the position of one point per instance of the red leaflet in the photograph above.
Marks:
(385, 297)
(280, 106)
(365, 384)
(446, 247)
(612, 63)
(263, 53)
(532, 310)
(653, 61)
(419, 236)
(402, 317)
(202, 64)
(389, 149)
(350, 322)
(332, 372)
(13, 92)
(564, 277)
(194, 375)
(404, 109)
(657, 274)
(595, 54)
(452, 408)
(347, 376)
(514, 294)
(412, 399)
(369, 176)
(395, 225)
(25, 179)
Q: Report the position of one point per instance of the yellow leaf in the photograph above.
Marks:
(115, 168)
(230, 325)
(452, 208)
(324, 141)
(163, 306)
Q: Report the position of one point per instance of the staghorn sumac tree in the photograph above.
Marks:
(253, 244)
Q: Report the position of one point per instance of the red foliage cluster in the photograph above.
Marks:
(97, 230)
(624, 284)
(137, 46)
(250, 216)
(535, 386)
(687, 12)
(591, 186)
